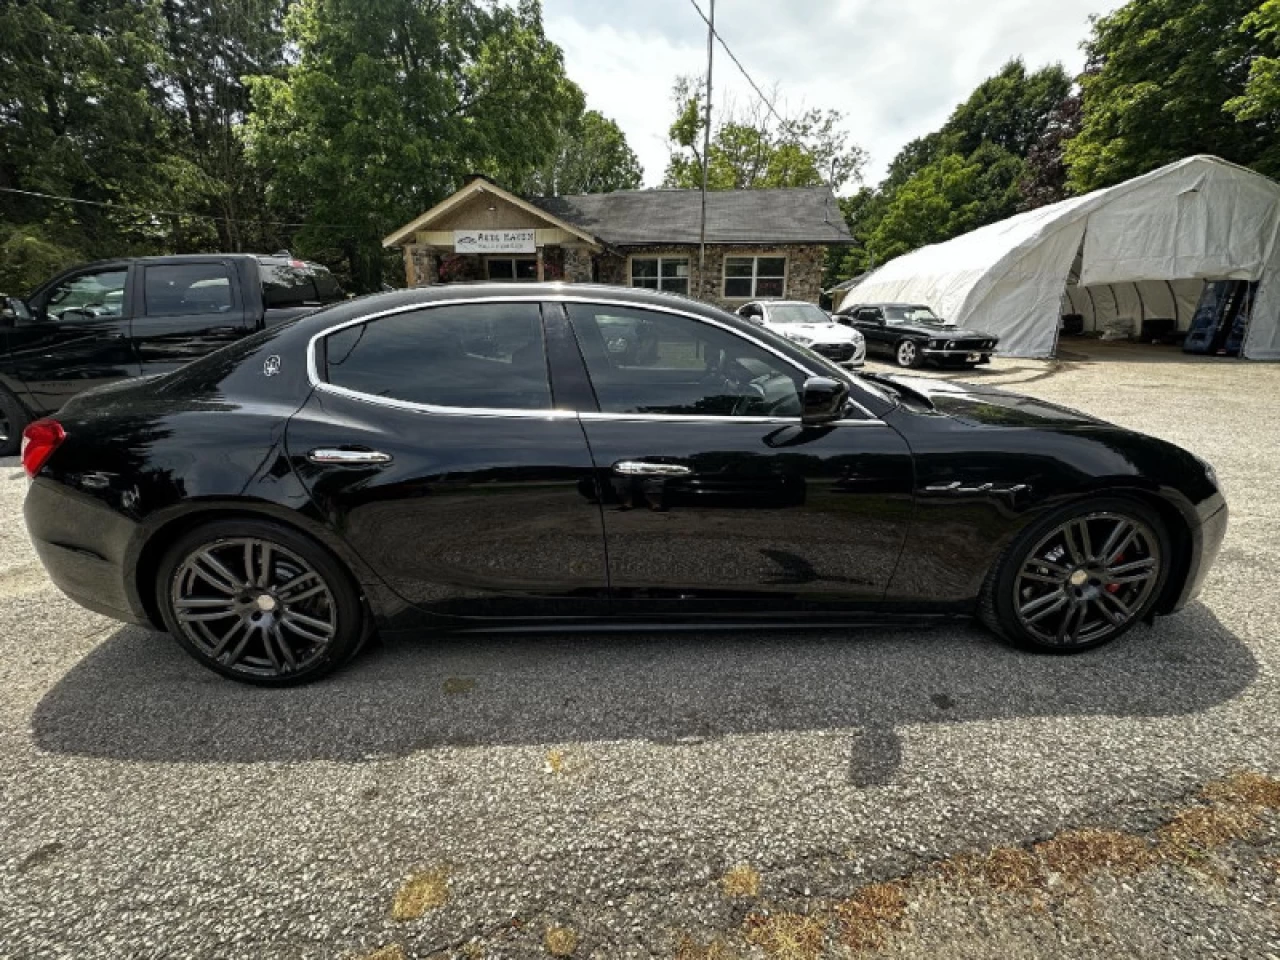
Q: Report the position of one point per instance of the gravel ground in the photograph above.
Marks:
(605, 785)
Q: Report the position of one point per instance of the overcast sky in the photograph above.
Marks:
(895, 68)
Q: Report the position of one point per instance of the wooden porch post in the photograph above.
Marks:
(540, 275)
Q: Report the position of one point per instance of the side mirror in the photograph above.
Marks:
(824, 400)
(13, 310)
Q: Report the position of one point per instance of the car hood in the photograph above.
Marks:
(817, 332)
(989, 406)
(947, 333)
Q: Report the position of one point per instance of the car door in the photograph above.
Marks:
(434, 445)
(870, 321)
(186, 309)
(77, 337)
(717, 499)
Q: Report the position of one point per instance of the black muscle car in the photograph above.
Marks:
(912, 334)
(489, 458)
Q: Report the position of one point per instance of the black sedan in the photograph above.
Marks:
(481, 459)
(912, 334)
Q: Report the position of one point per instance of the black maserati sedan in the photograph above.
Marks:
(911, 334)
(477, 458)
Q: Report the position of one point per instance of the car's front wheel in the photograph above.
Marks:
(259, 602)
(907, 354)
(1079, 578)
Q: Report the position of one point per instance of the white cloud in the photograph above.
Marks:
(896, 69)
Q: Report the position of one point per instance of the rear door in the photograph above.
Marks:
(435, 445)
(187, 308)
(77, 337)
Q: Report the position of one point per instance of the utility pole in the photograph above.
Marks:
(706, 153)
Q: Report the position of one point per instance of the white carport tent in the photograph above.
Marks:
(1138, 250)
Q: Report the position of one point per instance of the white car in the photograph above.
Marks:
(810, 326)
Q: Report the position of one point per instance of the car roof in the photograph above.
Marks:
(263, 258)
(921, 306)
(788, 303)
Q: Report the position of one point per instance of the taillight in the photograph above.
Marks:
(39, 441)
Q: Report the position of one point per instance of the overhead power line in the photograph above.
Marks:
(174, 213)
(737, 63)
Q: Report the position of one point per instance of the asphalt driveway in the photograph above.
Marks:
(587, 796)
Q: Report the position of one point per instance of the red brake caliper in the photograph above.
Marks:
(1115, 587)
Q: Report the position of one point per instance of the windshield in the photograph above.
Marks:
(797, 313)
(904, 314)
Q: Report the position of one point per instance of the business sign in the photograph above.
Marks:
(493, 241)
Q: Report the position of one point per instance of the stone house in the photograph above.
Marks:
(761, 244)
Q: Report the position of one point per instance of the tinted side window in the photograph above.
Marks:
(297, 284)
(487, 356)
(642, 361)
(189, 288)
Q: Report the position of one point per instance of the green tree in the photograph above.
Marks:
(591, 156)
(1161, 73)
(390, 103)
(79, 117)
(209, 48)
(758, 148)
(1261, 97)
(950, 196)
(964, 175)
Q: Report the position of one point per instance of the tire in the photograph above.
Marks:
(1051, 595)
(13, 420)
(907, 354)
(301, 618)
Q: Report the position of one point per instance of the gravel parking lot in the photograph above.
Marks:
(681, 796)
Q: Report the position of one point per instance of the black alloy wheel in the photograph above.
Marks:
(907, 354)
(1079, 579)
(259, 603)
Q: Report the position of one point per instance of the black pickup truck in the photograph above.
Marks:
(136, 316)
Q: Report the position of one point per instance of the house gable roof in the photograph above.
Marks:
(478, 186)
(629, 217)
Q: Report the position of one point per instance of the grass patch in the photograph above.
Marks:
(420, 893)
(742, 881)
(1075, 854)
(554, 762)
(456, 685)
(690, 949)
(560, 941)
(871, 914)
(1008, 869)
(1197, 829)
(1246, 787)
(787, 936)
(392, 951)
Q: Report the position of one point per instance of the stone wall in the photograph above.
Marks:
(421, 266)
(577, 265)
(805, 264)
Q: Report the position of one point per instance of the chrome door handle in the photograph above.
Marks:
(348, 458)
(643, 468)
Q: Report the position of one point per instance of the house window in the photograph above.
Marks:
(513, 268)
(751, 278)
(661, 273)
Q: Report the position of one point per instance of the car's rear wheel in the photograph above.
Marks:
(13, 419)
(907, 354)
(259, 602)
(1079, 578)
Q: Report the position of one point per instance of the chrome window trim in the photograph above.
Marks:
(313, 370)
